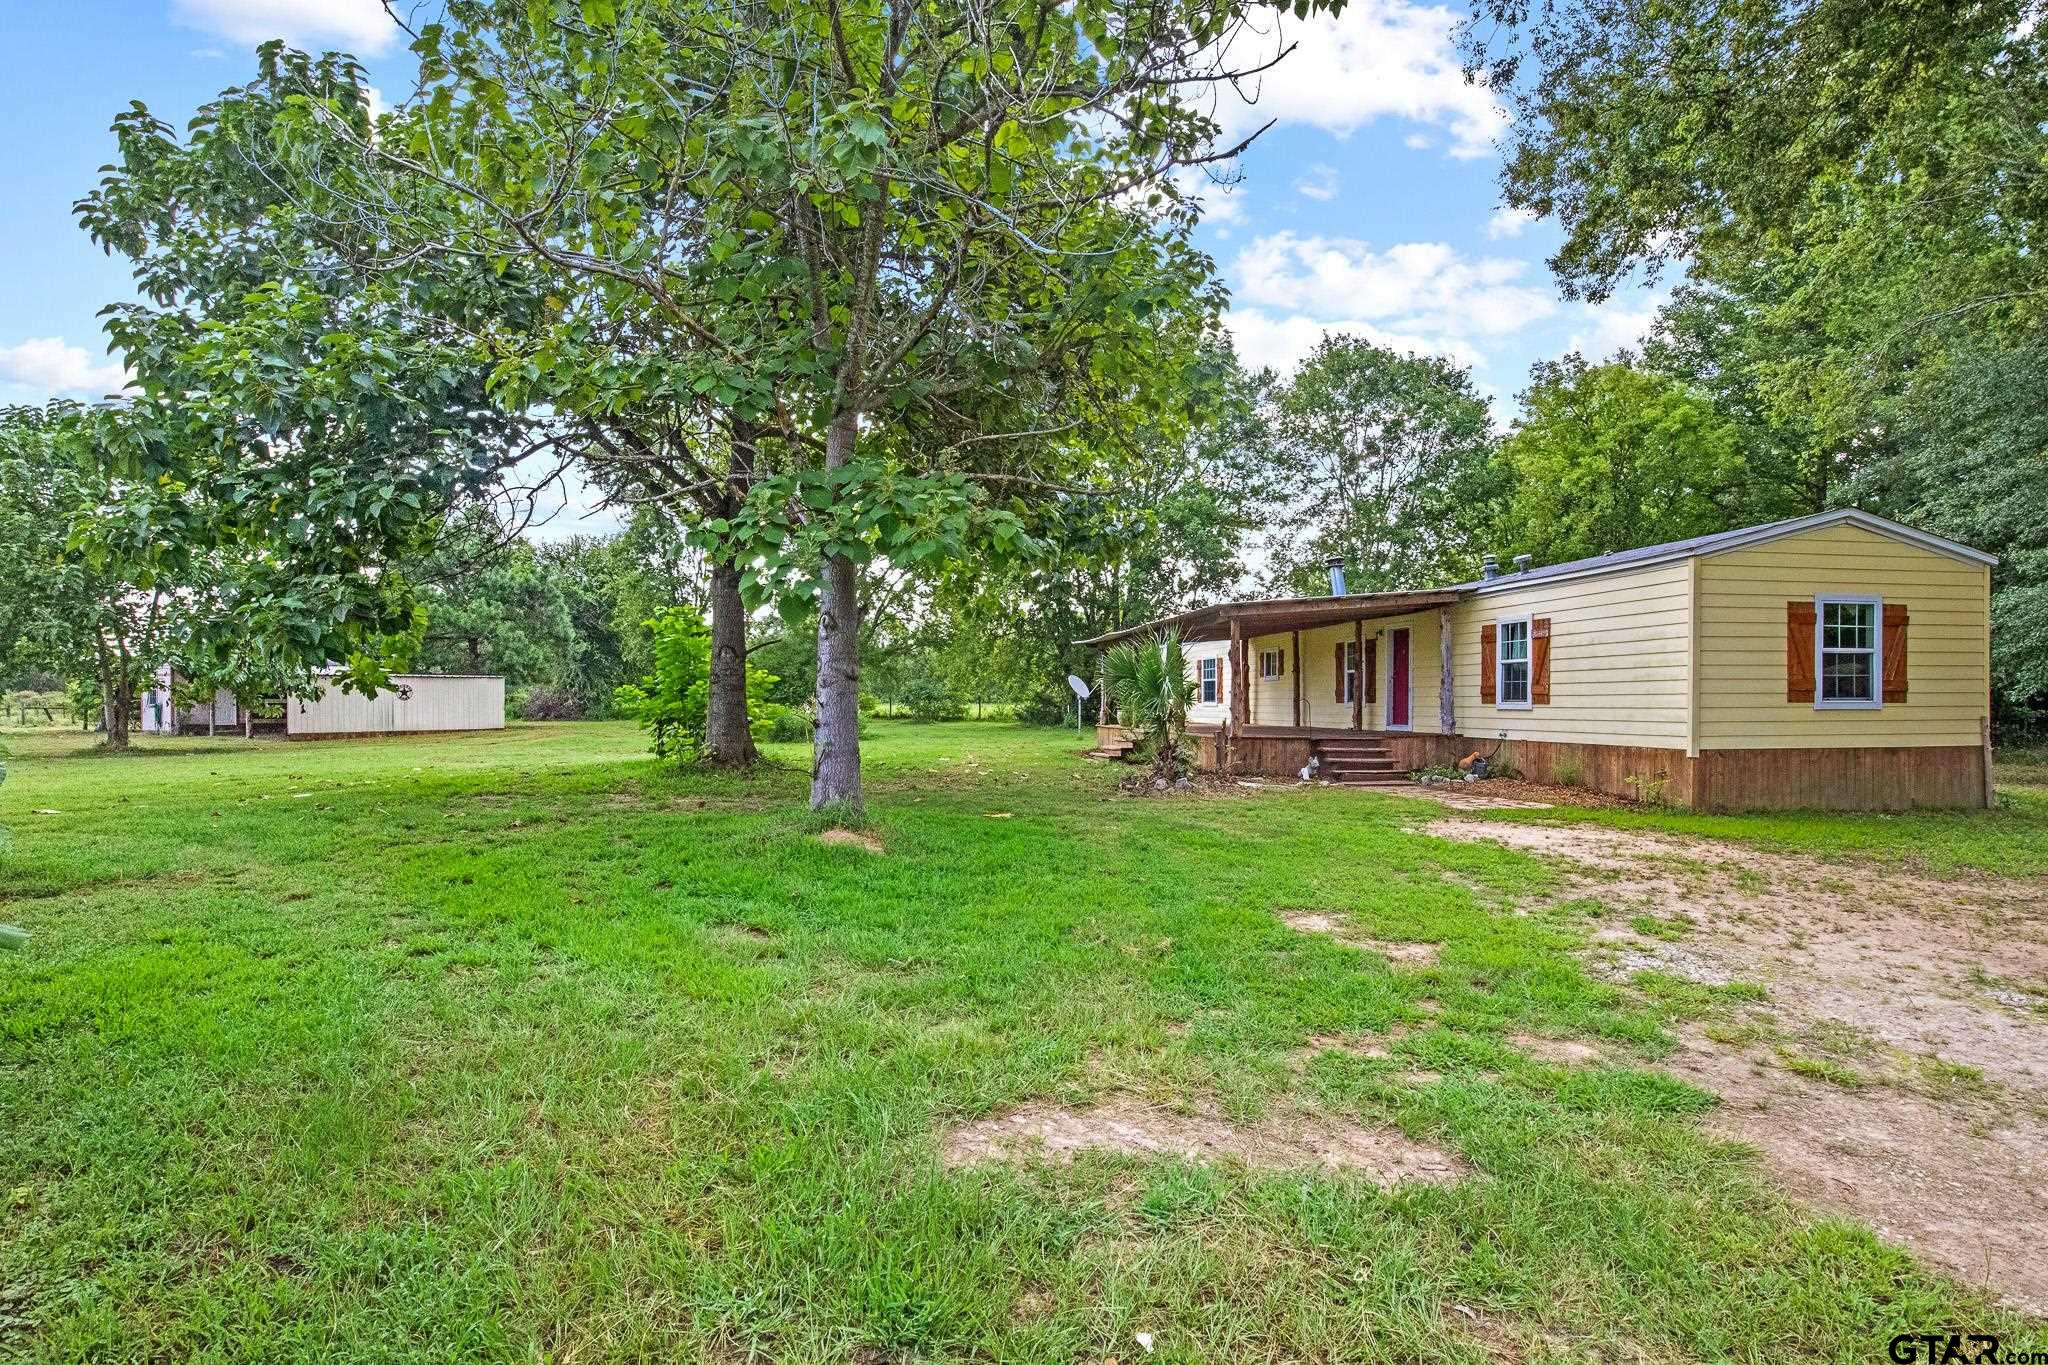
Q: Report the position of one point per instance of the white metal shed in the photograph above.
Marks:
(414, 703)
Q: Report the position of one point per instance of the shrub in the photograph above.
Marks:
(1148, 679)
(1049, 702)
(1571, 773)
(550, 703)
(673, 702)
(793, 726)
(1650, 791)
(927, 698)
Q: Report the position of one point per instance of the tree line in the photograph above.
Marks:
(888, 330)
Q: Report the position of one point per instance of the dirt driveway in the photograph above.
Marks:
(1896, 1069)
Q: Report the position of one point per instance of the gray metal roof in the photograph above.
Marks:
(1721, 542)
(1207, 622)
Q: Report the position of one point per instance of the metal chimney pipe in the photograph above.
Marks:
(1522, 563)
(1489, 567)
(1335, 564)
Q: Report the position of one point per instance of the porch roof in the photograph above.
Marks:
(1269, 615)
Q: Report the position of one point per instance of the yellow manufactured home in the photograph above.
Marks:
(1837, 660)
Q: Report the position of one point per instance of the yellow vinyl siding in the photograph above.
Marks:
(1619, 659)
(1272, 700)
(1742, 642)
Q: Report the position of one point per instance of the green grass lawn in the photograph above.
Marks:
(517, 1045)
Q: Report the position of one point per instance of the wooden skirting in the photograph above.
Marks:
(1949, 776)
(1719, 779)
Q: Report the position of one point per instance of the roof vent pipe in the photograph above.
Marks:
(1522, 563)
(1335, 564)
(1489, 567)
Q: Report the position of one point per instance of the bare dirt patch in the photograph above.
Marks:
(1897, 1070)
(1326, 922)
(1053, 1133)
(1963, 1184)
(850, 838)
(1375, 1048)
(1562, 1051)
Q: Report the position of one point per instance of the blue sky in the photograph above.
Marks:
(1371, 207)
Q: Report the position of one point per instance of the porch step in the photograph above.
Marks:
(1357, 762)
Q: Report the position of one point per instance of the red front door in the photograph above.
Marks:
(1397, 680)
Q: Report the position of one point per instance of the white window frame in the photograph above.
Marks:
(1279, 658)
(1353, 662)
(1821, 603)
(1209, 680)
(1501, 661)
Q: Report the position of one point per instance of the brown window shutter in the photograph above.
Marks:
(1894, 651)
(1486, 694)
(1369, 668)
(1799, 685)
(1338, 686)
(1539, 661)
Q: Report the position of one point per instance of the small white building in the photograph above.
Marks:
(161, 716)
(413, 704)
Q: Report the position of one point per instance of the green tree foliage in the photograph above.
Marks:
(1195, 488)
(1750, 362)
(1609, 457)
(136, 567)
(1147, 679)
(930, 697)
(297, 425)
(904, 248)
(493, 606)
(1385, 460)
(673, 703)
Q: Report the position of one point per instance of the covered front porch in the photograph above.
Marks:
(1358, 685)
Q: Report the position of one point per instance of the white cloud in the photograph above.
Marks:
(51, 367)
(1320, 183)
(1418, 142)
(361, 26)
(1283, 342)
(1377, 59)
(1426, 288)
(1509, 223)
(1222, 201)
(1604, 328)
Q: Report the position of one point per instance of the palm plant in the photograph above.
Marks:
(1148, 681)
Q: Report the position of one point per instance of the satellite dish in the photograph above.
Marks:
(1081, 689)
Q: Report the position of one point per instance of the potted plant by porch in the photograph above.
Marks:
(1148, 681)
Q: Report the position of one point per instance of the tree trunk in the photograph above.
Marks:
(116, 699)
(728, 743)
(835, 752)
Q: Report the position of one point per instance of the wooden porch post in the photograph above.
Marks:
(1238, 696)
(1102, 688)
(1297, 679)
(1446, 711)
(1357, 668)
